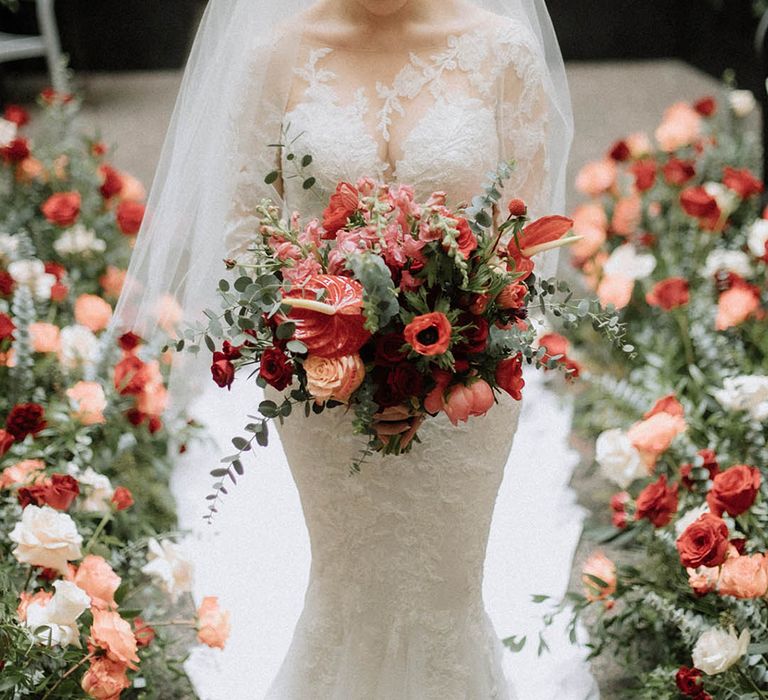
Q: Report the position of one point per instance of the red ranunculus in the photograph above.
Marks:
(222, 370)
(704, 542)
(678, 172)
(7, 327)
(16, 114)
(509, 376)
(619, 151)
(276, 368)
(734, 490)
(743, 182)
(668, 294)
(16, 151)
(129, 216)
(388, 351)
(706, 106)
(122, 498)
(62, 208)
(657, 502)
(429, 334)
(342, 204)
(112, 183)
(689, 681)
(645, 174)
(25, 419)
(60, 491)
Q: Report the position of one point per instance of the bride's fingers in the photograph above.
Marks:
(389, 428)
(415, 425)
(393, 413)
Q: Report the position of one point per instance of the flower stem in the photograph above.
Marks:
(68, 673)
(685, 335)
(99, 528)
(751, 682)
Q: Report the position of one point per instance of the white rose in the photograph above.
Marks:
(757, 236)
(32, 274)
(727, 200)
(8, 131)
(46, 537)
(627, 262)
(79, 239)
(690, 517)
(747, 392)
(742, 102)
(729, 261)
(717, 650)
(98, 491)
(618, 458)
(59, 615)
(169, 563)
(79, 347)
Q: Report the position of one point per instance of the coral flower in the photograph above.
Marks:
(604, 570)
(736, 305)
(465, 401)
(213, 623)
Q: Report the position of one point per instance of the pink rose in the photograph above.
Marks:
(596, 177)
(736, 305)
(626, 215)
(96, 577)
(333, 377)
(45, 337)
(89, 402)
(744, 576)
(680, 127)
(212, 623)
(92, 312)
(616, 290)
(653, 436)
(114, 635)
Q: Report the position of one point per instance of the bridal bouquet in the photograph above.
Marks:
(393, 308)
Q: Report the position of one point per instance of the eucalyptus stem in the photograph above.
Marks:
(99, 528)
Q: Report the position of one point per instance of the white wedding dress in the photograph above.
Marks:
(392, 605)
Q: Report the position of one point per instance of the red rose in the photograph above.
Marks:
(60, 491)
(31, 495)
(112, 183)
(387, 352)
(7, 283)
(704, 542)
(698, 203)
(509, 376)
(689, 681)
(429, 334)
(706, 106)
(342, 204)
(619, 152)
(734, 490)
(122, 498)
(645, 174)
(25, 419)
(517, 208)
(669, 293)
(222, 370)
(143, 633)
(678, 172)
(7, 327)
(129, 341)
(276, 368)
(62, 208)
(16, 151)
(743, 182)
(130, 375)
(465, 240)
(16, 114)
(129, 216)
(657, 502)
(404, 381)
(6, 441)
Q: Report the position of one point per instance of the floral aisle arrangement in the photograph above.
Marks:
(674, 237)
(392, 308)
(90, 571)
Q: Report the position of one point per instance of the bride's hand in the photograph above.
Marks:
(397, 420)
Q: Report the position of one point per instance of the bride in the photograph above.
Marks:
(432, 93)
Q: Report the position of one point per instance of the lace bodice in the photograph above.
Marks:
(440, 119)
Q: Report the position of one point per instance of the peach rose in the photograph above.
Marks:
(591, 223)
(735, 306)
(31, 170)
(592, 269)
(45, 337)
(96, 577)
(627, 215)
(744, 576)
(333, 378)
(212, 623)
(114, 635)
(616, 290)
(702, 580)
(596, 177)
(153, 400)
(680, 127)
(602, 568)
(168, 313)
(112, 281)
(639, 144)
(89, 402)
(653, 436)
(92, 312)
(105, 679)
(26, 599)
(22, 473)
(132, 189)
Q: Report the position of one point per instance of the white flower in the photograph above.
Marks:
(79, 347)
(717, 650)
(727, 200)
(79, 239)
(618, 458)
(690, 517)
(46, 537)
(627, 262)
(98, 491)
(8, 131)
(747, 392)
(742, 102)
(168, 562)
(32, 274)
(59, 615)
(9, 245)
(729, 261)
(757, 237)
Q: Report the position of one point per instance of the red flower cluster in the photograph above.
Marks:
(58, 491)
(657, 502)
